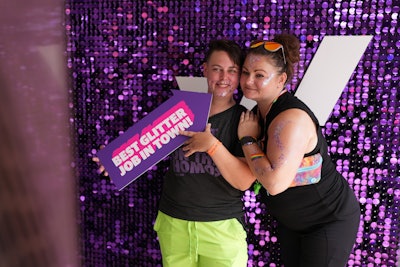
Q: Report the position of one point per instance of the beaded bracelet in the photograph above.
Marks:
(213, 148)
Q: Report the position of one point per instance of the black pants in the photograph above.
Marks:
(328, 246)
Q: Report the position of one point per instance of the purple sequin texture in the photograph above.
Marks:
(123, 57)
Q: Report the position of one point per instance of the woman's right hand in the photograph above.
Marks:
(101, 169)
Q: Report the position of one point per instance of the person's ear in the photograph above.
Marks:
(282, 79)
(205, 69)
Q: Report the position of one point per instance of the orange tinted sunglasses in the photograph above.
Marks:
(269, 46)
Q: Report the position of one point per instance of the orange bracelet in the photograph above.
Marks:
(213, 148)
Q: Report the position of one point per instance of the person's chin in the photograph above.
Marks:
(224, 92)
(250, 94)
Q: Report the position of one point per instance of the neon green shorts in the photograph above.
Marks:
(207, 244)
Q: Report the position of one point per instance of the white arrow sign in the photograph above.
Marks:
(329, 72)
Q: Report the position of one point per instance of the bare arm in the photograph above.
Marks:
(234, 170)
(290, 136)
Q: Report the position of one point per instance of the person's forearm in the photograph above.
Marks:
(234, 170)
(262, 168)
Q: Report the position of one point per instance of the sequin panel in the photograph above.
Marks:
(123, 57)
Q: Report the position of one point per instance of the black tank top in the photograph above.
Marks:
(303, 208)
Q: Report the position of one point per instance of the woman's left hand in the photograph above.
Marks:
(248, 125)
(198, 141)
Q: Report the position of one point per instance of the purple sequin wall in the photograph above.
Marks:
(123, 57)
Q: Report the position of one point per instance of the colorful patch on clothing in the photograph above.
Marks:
(309, 171)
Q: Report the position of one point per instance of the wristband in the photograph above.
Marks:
(213, 148)
(247, 140)
(257, 156)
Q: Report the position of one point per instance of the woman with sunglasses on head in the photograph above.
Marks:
(200, 222)
(317, 212)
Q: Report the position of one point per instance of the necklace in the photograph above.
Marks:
(263, 119)
(273, 101)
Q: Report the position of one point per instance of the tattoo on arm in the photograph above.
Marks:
(278, 141)
(257, 154)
